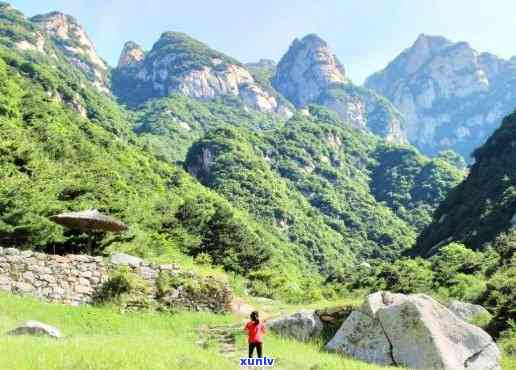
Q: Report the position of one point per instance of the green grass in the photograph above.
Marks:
(104, 338)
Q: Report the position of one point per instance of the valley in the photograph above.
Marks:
(287, 182)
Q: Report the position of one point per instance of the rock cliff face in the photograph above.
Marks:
(178, 63)
(310, 73)
(72, 39)
(132, 53)
(307, 70)
(452, 96)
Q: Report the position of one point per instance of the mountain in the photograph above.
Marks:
(309, 73)
(55, 157)
(331, 188)
(484, 205)
(179, 63)
(275, 201)
(452, 96)
(71, 38)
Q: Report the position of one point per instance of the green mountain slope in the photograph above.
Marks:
(484, 205)
(56, 157)
(169, 126)
(315, 168)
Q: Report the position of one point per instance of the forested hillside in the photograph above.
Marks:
(278, 198)
(334, 172)
(65, 146)
(484, 205)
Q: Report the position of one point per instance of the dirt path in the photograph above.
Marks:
(226, 338)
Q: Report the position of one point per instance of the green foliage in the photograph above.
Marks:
(228, 239)
(505, 246)
(121, 286)
(500, 296)
(508, 339)
(455, 259)
(169, 126)
(411, 184)
(482, 206)
(453, 158)
(407, 276)
(314, 168)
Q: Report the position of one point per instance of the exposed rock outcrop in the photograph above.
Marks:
(452, 96)
(132, 53)
(414, 331)
(303, 325)
(308, 69)
(178, 63)
(73, 40)
(310, 73)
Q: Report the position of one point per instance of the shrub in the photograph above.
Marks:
(454, 259)
(508, 339)
(499, 298)
(407, 276)
(123, 287)
(466, 287)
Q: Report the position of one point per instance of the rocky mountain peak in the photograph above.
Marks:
(307, 69)
(73, 40)
(132, 53)
(178, 63)
(451, 95)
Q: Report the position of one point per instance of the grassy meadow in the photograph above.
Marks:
(105, 338)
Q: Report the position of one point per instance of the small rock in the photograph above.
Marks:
(36, 328)
(125, 259)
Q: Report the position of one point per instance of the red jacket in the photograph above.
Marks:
(255, 332)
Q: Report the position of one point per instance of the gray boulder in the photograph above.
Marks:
(36, 328)
(357, 335)
(303, 325)
(125, 259)
(414, 331)
(466, 311)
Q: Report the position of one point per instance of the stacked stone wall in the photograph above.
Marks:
(78, 279)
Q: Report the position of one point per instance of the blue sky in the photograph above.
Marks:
(364, 34)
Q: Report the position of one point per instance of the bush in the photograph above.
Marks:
(203, 259)
(499, 298)
(123, 288)
(407, 276)
(466, 287)
(455, 259)
(508, 339)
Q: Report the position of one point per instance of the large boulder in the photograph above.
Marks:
(303, 325)
(36, 328)
(358, 335)
(414, 331)
(467, 311)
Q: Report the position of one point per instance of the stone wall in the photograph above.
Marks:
(77, 279)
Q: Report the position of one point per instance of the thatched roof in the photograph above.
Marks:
(89, 220)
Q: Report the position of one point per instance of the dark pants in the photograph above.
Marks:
(258, 347)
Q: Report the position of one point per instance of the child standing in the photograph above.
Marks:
(255, 332)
